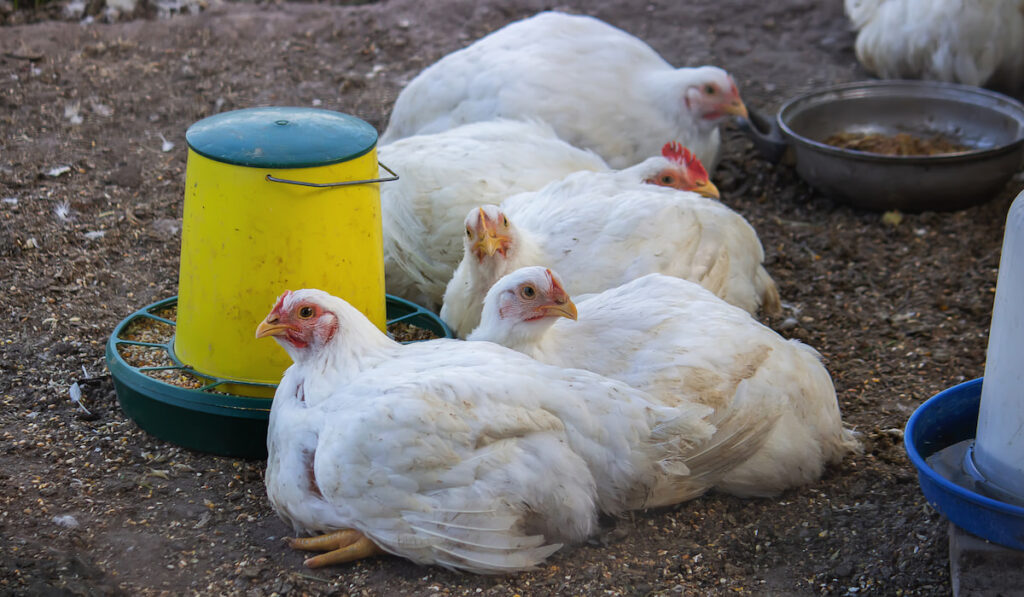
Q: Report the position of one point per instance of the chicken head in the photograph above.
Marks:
(530, 294)
(714, 96)
(684, 172)
(487, 232)
(298, 321)
(522, 306)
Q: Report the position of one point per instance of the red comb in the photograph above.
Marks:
(674, 151)
(280, 301)
(551, 277)
(555, 284)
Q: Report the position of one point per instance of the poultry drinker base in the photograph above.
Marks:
(947, 419)
(210, 418)
(966, 440)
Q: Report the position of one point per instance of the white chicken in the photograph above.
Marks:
(975, 42)
(602, 232)
(470, 456)
(678, 342)
(443, 175)
(598, 86)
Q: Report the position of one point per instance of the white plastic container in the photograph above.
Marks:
(999, 446)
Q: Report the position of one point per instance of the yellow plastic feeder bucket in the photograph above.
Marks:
(275, 199)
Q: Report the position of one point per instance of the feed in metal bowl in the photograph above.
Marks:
(991, 124)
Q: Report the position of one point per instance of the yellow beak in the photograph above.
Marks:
(270, 328)
(706, 188)
(489, 244)
(736, 108)
(566, 309)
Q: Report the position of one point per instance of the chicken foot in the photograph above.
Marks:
(346, 545)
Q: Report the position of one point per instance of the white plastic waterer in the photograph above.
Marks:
(998, 453)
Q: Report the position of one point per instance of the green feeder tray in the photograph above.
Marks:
(207, 418)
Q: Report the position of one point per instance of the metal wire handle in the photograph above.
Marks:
(347, 183)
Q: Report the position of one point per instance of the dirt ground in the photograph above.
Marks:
(89, 231)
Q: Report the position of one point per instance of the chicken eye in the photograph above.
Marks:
(469, 232)
(709, 89)
(504, 221)
(667, 180)
(306, 312)
(528, 292)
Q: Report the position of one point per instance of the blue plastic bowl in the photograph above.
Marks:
(950, 417)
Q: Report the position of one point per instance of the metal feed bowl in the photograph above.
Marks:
(990, 123)
(209, 419)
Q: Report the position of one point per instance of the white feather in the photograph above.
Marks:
(469, 456)
(598, 86)
(601, 230)
(681, 344)
(975, 42)
(443, 175)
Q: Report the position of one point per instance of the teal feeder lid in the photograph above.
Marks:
(281, 137)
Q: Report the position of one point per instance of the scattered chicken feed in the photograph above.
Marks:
(154, 331)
